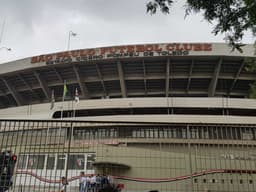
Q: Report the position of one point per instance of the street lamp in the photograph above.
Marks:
(71, 33)
(6, 48)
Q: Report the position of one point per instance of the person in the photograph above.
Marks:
(87, 184)
(98, 182)
(93, 183)
(64, 183)
(82, 181)
(104, 181)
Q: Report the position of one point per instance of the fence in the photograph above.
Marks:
(137, 156)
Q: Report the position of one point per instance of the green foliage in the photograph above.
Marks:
(252, 91)
(233, 17)
(250, 65)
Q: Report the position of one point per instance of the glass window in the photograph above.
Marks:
(61, 161)
(50, 161)
(22, 161)
(90, 160)
(76, 162)
(247, 134)
(36, 161)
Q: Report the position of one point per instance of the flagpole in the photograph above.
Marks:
(2, 31)
(63, 98)
(76, 100)
(70, 33)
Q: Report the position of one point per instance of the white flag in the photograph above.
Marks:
(76, 97)
(52, 100)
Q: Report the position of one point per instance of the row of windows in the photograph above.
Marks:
(56, 161)
(231, 181)
(235, 133)
(180, 132)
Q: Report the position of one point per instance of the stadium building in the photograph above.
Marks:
(168, 117)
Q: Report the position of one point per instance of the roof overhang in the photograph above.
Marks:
(109, 164)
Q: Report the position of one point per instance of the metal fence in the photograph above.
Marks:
(134, 156)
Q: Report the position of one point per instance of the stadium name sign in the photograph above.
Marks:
(127, 51)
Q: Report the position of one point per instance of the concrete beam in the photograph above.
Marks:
(121, 78)
(145, 77)
(83, 88)
(19, 101)
(167, 78)
(101, 80)
(28, 86)
(236, 77)
(214, 81)
(43, 85)
(58, 75)
(190, 75)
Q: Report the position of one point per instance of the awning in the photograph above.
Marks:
(107, 164)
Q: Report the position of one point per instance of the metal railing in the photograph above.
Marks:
(137, 156)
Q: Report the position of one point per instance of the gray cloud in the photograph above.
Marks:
(37, 27)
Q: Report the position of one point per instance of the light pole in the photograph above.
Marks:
(71, 33)
(6, 48)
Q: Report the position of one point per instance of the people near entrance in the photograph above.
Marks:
(97, 183)
(63, 184)
(104, 181)
(82, 180)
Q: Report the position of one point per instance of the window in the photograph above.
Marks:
(61, 161)
(90, 160)
(36, 161)
(204, 180)
(250, 181)
(76, 162)
(50, 161)
(22, 161)
(195, 181)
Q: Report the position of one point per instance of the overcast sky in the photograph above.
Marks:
(35, 27)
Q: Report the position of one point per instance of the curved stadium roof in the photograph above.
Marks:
(150, 70)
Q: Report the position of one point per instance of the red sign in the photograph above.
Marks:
(148, 50)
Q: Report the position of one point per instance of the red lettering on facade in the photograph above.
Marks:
(207, 47)
(197, 47)
(178, 47)
(91, 51)
(48, 57)
(187, 47)
(149, 48)
(140, 48)
(75, 53)
(145, 49)
(41, 58)
(170, 47)
(34, 59)
(157, 48)
(130, 48)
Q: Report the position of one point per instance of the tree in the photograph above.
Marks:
(233, 17)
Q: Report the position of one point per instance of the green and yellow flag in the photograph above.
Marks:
(65, 90)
